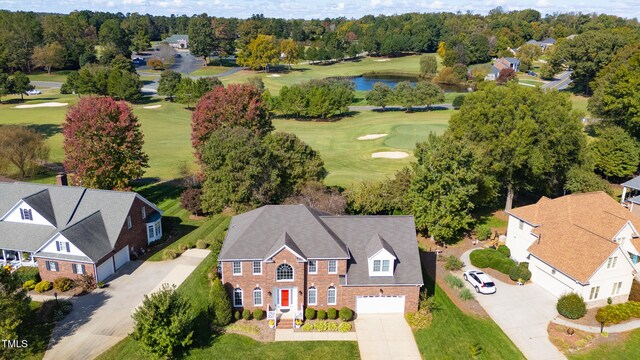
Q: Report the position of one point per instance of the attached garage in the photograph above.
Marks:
(105, 269)
(122, 257)
(551, 280)
(379, 304)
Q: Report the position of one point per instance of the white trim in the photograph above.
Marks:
(148, 203)
(253, 267)
(329, 267)
(315, 290)
(238, 290)
(12, 209)
(293, 273)
(288, 248)
(309, 267)
(233, 268)
(335, 297)
(381, 250)
(254, 296)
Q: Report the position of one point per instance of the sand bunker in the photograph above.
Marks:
(371, 136)
(381, 60)
(47, 104)
(151, 107)
(390, 155)
(274, 75)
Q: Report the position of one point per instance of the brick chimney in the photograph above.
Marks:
(61, 179)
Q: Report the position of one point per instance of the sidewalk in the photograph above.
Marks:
(628, 326)
(290, 335)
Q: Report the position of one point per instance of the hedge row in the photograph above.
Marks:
(492, 258)
(614, 314)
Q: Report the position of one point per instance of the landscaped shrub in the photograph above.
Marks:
(634, 295)
(504, 250)
(479, 258)
(43, 286)
(465, 294)
(457, 101)
(491, 258)
(201, 244)
(453, 263)
(322, 315)
(453, 281)
(310, 313)
(61, 310)
(258, 314)
(169, 254)
(332, 326)
(307, 327)
(420, 319)
(29, 285)
(63, 284)
(332, 313)
(344, 327)
(246, 314)
(571, 306)
(86, 282)
(190, 200)
(483, 232)
(27, 273)
(236, 315)
(614, 314)
(182, 247)
(346, 314)
(520, 272)
(320, 325)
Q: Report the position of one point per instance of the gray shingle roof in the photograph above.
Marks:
(174, 38)
(24, 237)
(61, 256)
(90, 236)
(284, 240)
(41, 203)
(376, 244)
(633, 183)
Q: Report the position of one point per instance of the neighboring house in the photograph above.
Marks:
(502, 63)
(288, 257)
(631, 195)
(544, 44)
(178, 41)
(582, 243)
(69, 231)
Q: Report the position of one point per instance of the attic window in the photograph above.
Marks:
(26, 214)
(63, 246)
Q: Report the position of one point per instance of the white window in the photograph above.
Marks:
(152, 233)
(611, 263)
(312, 297)
(129, 222)
(63, 246)
(313, 267)
(331, 296)
(237, 297)
(78, 268)
(385, 265)
(376, 265)
(616, 288)
(333, 267)
(257, 297)
(158, 229)
(257, 268)
(284, 272)
(237, 268)
(26, 214)
(594, 292)
(521, 225)
(144, 212)
(52, 266)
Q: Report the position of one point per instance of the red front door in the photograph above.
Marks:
(284, 298)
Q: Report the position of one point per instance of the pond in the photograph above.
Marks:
(365, 83)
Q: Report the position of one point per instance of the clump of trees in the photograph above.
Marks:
(22, 147)
(316, 98)
(14, 304)
(19, 83)
(316, 195)
(118, 79)
(424, 93)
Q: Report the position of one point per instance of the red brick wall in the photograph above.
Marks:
(65, 269)
(347, 295)
(136, 237)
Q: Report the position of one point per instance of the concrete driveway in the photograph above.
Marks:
(384, 337)
(523, 313)
(100, 319)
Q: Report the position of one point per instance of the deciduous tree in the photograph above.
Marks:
(6, 85)
(290, 50)
(260, 53)
(318, 196)
(429, 93)
(581, 179)
(48, 56)
(21, 84)
(615, 153)
(14, 307)
(202, 39)
(24, 148)
(168, 84)
(103, 143)
(527, 54)
(428, 65)
(124, 85)
(380, 95)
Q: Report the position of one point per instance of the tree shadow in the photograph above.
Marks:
(84, 308)
(429, 271)
(47, 130)
(157, 192)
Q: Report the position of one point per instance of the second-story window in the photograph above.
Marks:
(313, 267)
(333, 267)
(237, 268)
(63, 246)
(257, 268)
(129, 222)
(284, 272)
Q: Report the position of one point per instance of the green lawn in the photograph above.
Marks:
(629, 349)
(210, 70)
(57, 76)
(348, 160)
(452, 334)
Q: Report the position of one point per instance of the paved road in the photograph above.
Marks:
(523, 313)
(560, 83)
(100, 319)
(386, 336)
(47, 84)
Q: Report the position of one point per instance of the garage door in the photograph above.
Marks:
(379, 304)
(548, 282)
(122, 257)
(105, 269)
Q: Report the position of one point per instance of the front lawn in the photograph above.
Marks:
(627, 349)
(39, 325)
(210, 70)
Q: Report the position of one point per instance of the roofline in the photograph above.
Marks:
(366, 216)
(11, 210)
(560, 271)
(148, 203)
(280, 249)
(608, 257)
(369, 285)
(519, 218)
(53, 258)
(49, 241)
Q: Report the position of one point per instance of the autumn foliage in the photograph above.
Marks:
(103, 143)
(235, 105)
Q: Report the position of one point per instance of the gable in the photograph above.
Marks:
(58, 244)
(382, 254)
(285, 248)
(16, 215)
(623, 267)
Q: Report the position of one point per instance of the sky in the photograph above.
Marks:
(309, 9)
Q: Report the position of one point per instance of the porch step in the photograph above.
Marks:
(285, 324)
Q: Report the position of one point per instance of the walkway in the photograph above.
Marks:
(523, 313)
(384, 337)
(628, 326)
(290, 335)
(101, 319)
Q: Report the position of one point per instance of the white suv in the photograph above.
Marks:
(480, 281)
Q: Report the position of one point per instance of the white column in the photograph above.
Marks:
(4, 256)
(624, 193)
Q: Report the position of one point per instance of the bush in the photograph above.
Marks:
(504, 250)
(571, 306)
(221, 303)
(27, 273)
(332, 326)
(310, 313)
(614, 314)
(43, 286)
(63, 284)
(520, 272)
(322, 315)
(201, 244)
(418, 320)
(320, 325)
(346, 314)
(465, 294)
(86, 282)
(344, 327)
(483, 232)
(453, 263)
(236, 315)
(29, 285)
(634, 295)
(458, 101)
(491, 258)
(169, 254)
(246, 314)
(190, 200)
(258, 314)
(307, 327)
(453, 281)
(65, 306)
(332, 313)
(182, 247)
(100, 284)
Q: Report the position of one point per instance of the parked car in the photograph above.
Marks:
(34, 92)
(532, 73)
(480, 281)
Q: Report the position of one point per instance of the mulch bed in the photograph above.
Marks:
(580, 341)
(265, 333)
(338, 321)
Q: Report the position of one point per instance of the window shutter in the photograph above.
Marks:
(68, 247)
(48, 265)
(56, 265)
(30, 215)
(84, 269)
(58, 246)
(22, 214)
(73, 267)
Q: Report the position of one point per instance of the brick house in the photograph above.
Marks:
(289, 257)
(69, 231)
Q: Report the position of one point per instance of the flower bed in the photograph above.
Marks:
(327, 326)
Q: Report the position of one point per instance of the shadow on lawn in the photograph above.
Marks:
(47, 130)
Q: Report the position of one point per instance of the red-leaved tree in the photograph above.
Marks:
(236, 105)
(505, 75)
(103, 143)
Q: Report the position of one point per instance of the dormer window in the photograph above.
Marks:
(381, 257)
(26, 214)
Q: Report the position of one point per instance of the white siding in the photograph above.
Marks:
(605, 278)
(382, 255)
(51, 247)
(542, 274)
(14, 215)
(105, 269)
(518, 240)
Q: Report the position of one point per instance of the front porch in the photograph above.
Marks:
(286, 307)
(16, 259)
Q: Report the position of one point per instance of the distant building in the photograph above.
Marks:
(502, 63)
(544, 44)
(178, 41)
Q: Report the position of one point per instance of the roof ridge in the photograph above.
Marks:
(616, 215)
(81, 220)
(589, 231)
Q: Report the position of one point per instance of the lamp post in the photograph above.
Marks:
(55, 294)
